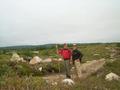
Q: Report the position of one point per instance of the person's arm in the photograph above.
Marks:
(71, 56)
(58, 51)
(80, 54)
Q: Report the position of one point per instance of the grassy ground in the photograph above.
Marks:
(22, 76)
(97, 81)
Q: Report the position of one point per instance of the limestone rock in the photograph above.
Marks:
(15, 57)
(68, 82)
(35, 60)
(47, 60)
(112, 76)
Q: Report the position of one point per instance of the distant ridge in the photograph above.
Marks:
(49, 45)
(28, 46)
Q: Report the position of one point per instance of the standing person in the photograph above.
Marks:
(76, 54)
(65, 53)
(76, 58)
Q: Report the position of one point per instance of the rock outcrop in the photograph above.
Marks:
(86, 69)
(35, 60)
(16, 58)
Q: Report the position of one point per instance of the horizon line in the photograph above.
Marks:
(57, 43)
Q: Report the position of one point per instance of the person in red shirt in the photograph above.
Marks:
(66, 54)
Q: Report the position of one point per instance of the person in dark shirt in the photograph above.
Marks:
(76, 54)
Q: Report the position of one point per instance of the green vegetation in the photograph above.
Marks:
(22, 76)
(97, 80)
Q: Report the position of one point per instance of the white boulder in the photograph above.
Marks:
(15, 57)
(112, 76)
(68, 82)
(35, 60)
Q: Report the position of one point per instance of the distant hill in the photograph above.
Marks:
(48, 45)
(28, 46)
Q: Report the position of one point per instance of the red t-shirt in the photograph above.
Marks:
(65, 53)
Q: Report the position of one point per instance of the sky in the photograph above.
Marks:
(35, 22)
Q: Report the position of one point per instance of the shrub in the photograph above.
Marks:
(113, 67)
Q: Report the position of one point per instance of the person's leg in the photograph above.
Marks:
(77, 66)
(67, 68)
(73, 61)
(80, 60)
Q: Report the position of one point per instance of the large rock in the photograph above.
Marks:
(48, 60)
(35, 60)
(15, 57)
(68, 82)
(88, 68)
(112, 76)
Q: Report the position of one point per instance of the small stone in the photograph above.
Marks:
(40, 69)
(54, 83)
